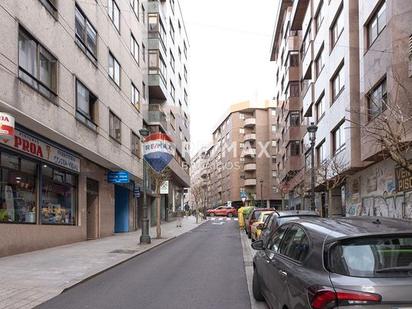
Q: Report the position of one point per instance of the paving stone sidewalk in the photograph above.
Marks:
(29, 279)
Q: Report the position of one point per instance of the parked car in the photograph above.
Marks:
(257, 226)
(252, 217)
(226, 211)
(277, 218)
(354, 262)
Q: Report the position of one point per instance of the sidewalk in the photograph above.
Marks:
(29, 279)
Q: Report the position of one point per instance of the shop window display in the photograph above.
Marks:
(17, 189)
(58, 201)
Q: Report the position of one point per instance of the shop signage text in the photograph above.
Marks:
(6, 128)
(31, 145)
(118, 177)
(403, 180)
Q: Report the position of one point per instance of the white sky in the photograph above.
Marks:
(229, 58)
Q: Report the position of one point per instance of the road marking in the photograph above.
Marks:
(218, 223)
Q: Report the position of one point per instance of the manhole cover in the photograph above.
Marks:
(124, 251)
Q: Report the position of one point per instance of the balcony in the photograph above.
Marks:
(249, 122)
(250, 152)
(294, 42)
(157, 118)
(293, 134)
(250, 182)
(250, 137)
(292, 165)
(250, 167)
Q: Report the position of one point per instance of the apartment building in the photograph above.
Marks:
(73, 77)
(168, 108)
(348, 52)
(242, 157)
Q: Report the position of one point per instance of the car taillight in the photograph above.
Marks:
(326, 297)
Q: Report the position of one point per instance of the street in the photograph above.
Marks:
(203, 268)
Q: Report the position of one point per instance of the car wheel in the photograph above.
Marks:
(230, 215)
(257, 293)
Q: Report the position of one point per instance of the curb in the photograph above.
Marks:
(125, 260)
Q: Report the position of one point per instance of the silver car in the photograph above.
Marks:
(355, 262)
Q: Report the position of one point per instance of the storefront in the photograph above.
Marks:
(39, 182)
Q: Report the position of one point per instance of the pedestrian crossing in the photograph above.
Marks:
(221, 219)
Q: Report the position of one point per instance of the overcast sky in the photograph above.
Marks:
(229, 58)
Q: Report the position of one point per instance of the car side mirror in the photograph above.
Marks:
(258, 245)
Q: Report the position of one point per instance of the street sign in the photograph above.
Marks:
(158, 151)
(136, 192)
(118, 177)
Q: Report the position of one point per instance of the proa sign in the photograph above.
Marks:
(403, 179)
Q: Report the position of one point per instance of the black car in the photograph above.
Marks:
(277, 218)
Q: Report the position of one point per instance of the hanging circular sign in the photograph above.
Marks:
(6, 128)
(158, 151)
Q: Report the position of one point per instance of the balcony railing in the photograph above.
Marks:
(250, 167)
(250, 137)
(250, 182)
(249, 122)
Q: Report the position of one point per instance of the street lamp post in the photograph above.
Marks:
(261, 195)
(145, 237)
(312, 137)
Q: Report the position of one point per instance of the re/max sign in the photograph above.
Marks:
(403, 180)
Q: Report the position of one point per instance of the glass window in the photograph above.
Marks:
(321, 153)
(377, 100)
(85, 105)
(115, 127)
(135, 6)
(37, 67)
(294, 59)
(185, 72)
(320, 61)
(114, 69)
(114, 13)
(294, 89)
(294, 119)
(172, 61)
(338, 82)
(376, 24)
(59, 196)
(172, 90)
(337, 27)
(134, 48)
(319, 17)
(172, 30)
(339, 141)
(381, 256)
(136, 145)
(295, 244)
(135, 98)
(18, 189)
(86, 35)
(295, 148)
(276, 239)
(143, 14)
(50, 6)
(320, 108)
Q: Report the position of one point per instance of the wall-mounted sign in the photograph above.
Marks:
(403, 180)
(118, 177)
(6, 128)
(158, 151)
(38, 148)
(136, 192)
(164, 188)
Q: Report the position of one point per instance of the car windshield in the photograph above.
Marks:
(373, 257)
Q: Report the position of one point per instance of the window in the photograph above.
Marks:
(185, 49)
(274, 128)
(50, 6)
(241, 116)
(143, 52)
(134, 48)
(337, 27)
(294, 59)
(338, 83)
(114, 69)
(274, 242)
(377, 100)
(172, 90)
(143, 14)
(114, 13)
(295, 244)
(172, 5)
(172, 30)
(156, 64)
(172, 61)
(339, 138)
(179, 52)
(85, 105)
(115, 127)
(241, 130)
(172, 121)
(321, 153)
(320, 61)
(37, 67)
(185, 96)
(376, 24)
(135, 6)
(180, 80)
(294, 118)
(295, 148)
(135, 98)
(59, 196)
(135, 145)
(319, 17)
(143, 90)
(294, 89)
(18, 189)
(320, 107)
(305, 43)
(86, 35)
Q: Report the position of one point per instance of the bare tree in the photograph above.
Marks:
(159, 179)
(198, 194)
(386, 122)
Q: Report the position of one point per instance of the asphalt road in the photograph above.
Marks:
(200, 269)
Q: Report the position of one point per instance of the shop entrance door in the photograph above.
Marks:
(121, 205)
(92, 209)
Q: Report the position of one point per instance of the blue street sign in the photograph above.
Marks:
(118, 177)
(136, 192)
